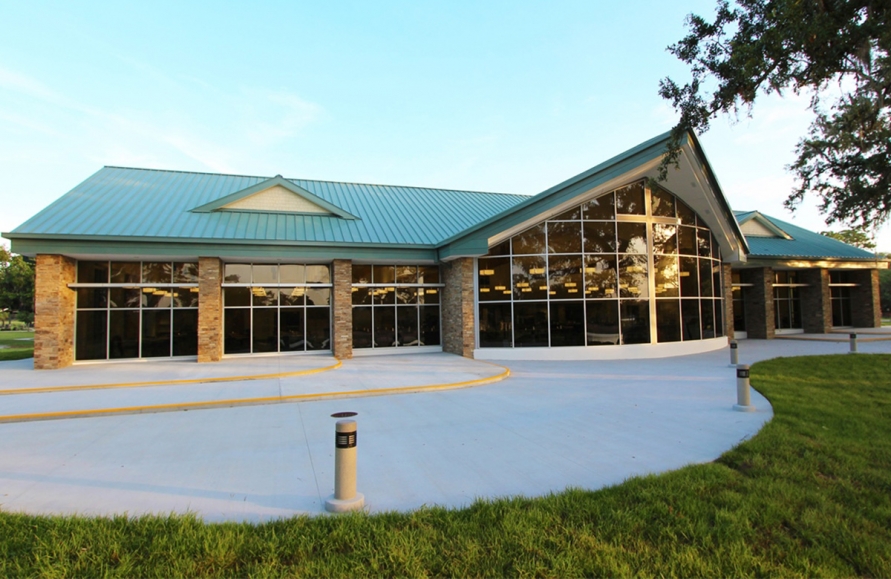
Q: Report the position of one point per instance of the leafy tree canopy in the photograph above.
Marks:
(16, 282)
(855, 237)
(840, 50)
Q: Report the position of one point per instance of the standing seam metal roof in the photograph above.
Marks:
(804, 243)
(150, 203)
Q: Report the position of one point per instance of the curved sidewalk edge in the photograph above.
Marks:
(257, 401)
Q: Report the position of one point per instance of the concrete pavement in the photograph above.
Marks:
(548, 426)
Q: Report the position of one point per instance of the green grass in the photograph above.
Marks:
(810, 495)
(16, 347)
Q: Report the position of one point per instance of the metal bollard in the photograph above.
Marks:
(734, 353)
(345, 497)
(743, 396)
(853, 344)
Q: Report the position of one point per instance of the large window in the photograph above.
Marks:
(840, 284)
(787, 300)
(276, 308)
(132, 309)
(396, 306)
(633, 266)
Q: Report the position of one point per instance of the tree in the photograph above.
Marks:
(855, 237)
(885, 291)
(838, 49)
(16, 283)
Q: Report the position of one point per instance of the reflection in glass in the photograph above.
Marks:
(362, 327)
(690, 319)
(88, 297)
(318, 274)
(531, 241)
(265, 330)
(630, 199)
(161, 272)
(666, 276)
(633, 280)
(662, 203)
(602, 208)
(600, 276)
(318, 328)
(687, 240)
(406, 274)
(708, 319)
(155, 333)
(531, 324)
(91, 338)
(565, 276)
(686, 215)
(430, 325)
(600, 236)
(665, 239)
(237, 273)
(564, 237)
(494, 279)
(719, 318)
(502, 248)
(264, 296)
(632, 237)
(384, 274)
(705, 278)
(185, 297)
(407, 326)
(429, 274)
(123, 338)
(383, 295)
(575, 213)
(530, 282)
(185, 332)
(236, 296)
(602, 322)
(127, 271)
(92, 272)
(495, 325)
(668, 321)
(567, 323)
(703, 242)
(294, 296)
(291, 333)
(429, 295)
(237, 324)
(293, 273)
(361, 296)
(361, 273)
(384, 327)
(185, 272)
(635, 315)
(407, 295)
(264, 274)
(689, 274)
(318, 296)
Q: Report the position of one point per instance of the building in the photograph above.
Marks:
(136, 263)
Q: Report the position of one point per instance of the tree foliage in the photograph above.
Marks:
(840, 48)
(855, 237)
(16, 283)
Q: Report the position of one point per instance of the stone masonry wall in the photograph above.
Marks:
(457, 307)
(342, 309)
(866, 311)
(816, 303)
(760, 314)
(210, 309)
(727, 281)
(54, 304)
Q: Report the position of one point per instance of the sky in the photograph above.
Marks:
(512, 96)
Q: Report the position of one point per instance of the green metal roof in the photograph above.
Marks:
(172, 206)
(803, 243)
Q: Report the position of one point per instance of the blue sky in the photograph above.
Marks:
(492, 96)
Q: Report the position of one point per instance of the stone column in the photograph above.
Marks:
(457, 307)
(342, 309)
(727, 281)
(816, 302)
(210, 309)
(866, 311)
(54, 307)
(760, 314)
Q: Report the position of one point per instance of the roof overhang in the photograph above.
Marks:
(693, 181)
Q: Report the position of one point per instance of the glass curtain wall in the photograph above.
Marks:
(840, 285)
(633, 266)
(271, 308)
(396, 306)
(787, 300)
(739, 302)
(136, 310)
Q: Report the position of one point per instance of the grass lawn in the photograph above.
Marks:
(810, 495)
(18, 345)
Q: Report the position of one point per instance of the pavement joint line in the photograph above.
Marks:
(207, 380)
(64, 414)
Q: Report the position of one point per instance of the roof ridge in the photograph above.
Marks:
(314, 180)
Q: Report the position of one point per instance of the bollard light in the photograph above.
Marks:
(734, 353)
(743, 396)
(345, 497)
(853, 343)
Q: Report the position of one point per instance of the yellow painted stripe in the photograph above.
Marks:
(207, 380)
(251, 401)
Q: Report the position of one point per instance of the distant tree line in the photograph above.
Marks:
(16, 288)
